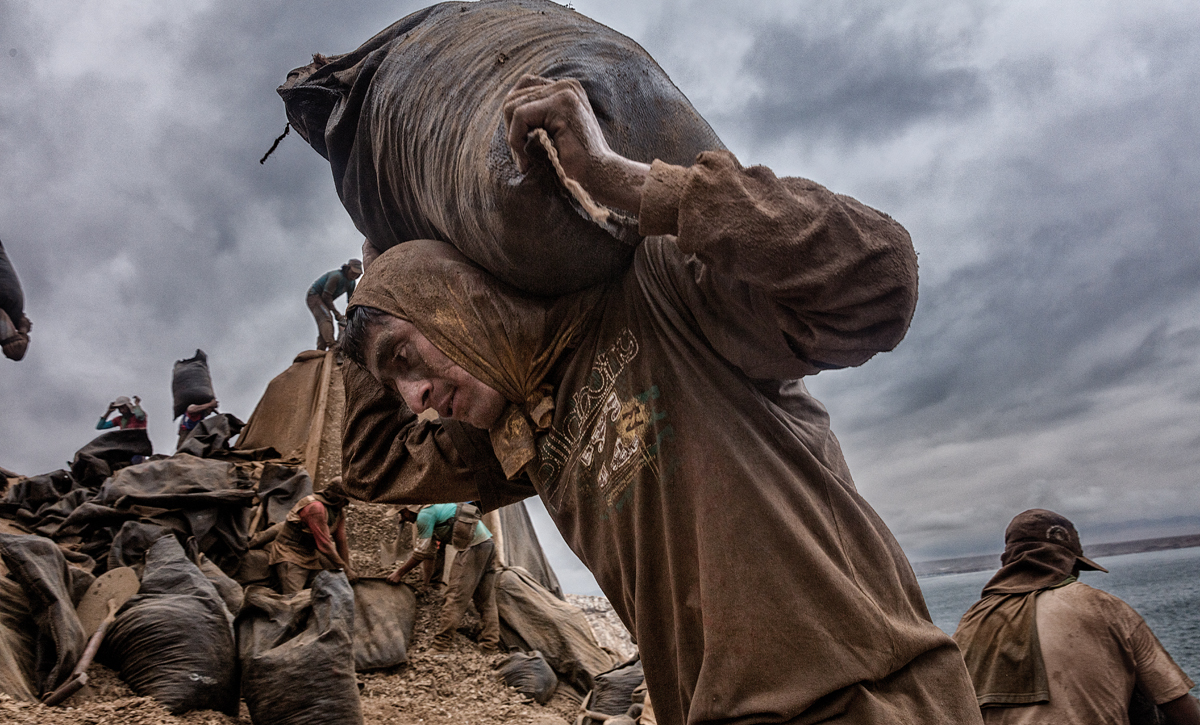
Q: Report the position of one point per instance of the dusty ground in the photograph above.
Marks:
(456, 688)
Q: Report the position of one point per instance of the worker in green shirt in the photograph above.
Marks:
(323, 292)
(472, 576)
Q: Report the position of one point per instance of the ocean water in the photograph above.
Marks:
(1163, 586)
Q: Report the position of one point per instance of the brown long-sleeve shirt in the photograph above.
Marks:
(690, 470)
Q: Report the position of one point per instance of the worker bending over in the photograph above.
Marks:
(312, 538)
(472, 575)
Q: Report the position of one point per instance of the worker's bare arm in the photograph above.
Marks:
(401, 571)
(343, 549)
(562, 108)
(314, 517)
(1182, 711)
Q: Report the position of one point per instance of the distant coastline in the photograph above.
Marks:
(984, 562)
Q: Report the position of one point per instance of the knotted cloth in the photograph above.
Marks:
(503, 337)
(998, 634)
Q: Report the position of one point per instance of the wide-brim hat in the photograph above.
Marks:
(1048, 526)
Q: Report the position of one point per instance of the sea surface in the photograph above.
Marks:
(1163, 586)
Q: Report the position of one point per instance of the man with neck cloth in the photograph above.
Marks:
(662, 419)
(1043, 647)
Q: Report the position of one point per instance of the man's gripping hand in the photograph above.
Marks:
(562, 108)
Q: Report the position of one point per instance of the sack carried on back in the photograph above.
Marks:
(412, 124)
(190, 383)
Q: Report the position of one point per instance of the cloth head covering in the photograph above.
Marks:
(331, 497)
(998, 635)
(505, 338)
(1041, 548)
(122, 400)
(355, 264)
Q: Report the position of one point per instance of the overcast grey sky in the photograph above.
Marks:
(1043, 156)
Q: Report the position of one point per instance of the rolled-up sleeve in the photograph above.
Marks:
(785, 277)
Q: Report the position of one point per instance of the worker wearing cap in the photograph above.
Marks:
(472, 576)
(132, 416)
(312, 538)
(323, 292)
(1042, 647)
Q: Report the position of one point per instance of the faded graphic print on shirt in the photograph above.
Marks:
(605, 439)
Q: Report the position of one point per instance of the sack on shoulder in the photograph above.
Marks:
(465, 520)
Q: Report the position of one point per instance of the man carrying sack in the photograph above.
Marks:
(1043, 647)
(472, 575)
(661, 417)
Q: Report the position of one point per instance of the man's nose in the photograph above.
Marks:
(416, 393)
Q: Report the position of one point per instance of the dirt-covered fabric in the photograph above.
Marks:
(230, 591)
(18, 643)
(1097, 650)
(212, 497)
(999, 635)
(174, 640)
(37, 565)
(534, 619)
(518, 546)
(284, 413)
(280, 487)
(27, 496)
(683, 445)
(307, 637)
(613, 693)
(412, 125)
(211, 435)
(384, 615)
(529, 674)
(191, 383)
(107, 453)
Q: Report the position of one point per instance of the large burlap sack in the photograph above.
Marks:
(613, 693)
(529, 674)
(384, 615)
(191, 383)
(174, 640)
(412, 125)
(41, 638)
(297, 654)
(107, 453)
(531, 618)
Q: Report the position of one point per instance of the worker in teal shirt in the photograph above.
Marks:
(323, 292)
(472, 576)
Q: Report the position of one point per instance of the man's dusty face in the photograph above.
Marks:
(405, 361)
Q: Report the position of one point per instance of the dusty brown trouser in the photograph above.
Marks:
(472, 578)
(293, 577)
(325, 334)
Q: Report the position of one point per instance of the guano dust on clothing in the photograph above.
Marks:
(1095, 648)
(687, 465)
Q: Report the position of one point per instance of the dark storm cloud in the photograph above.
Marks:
(139, 218)
(861, 80)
